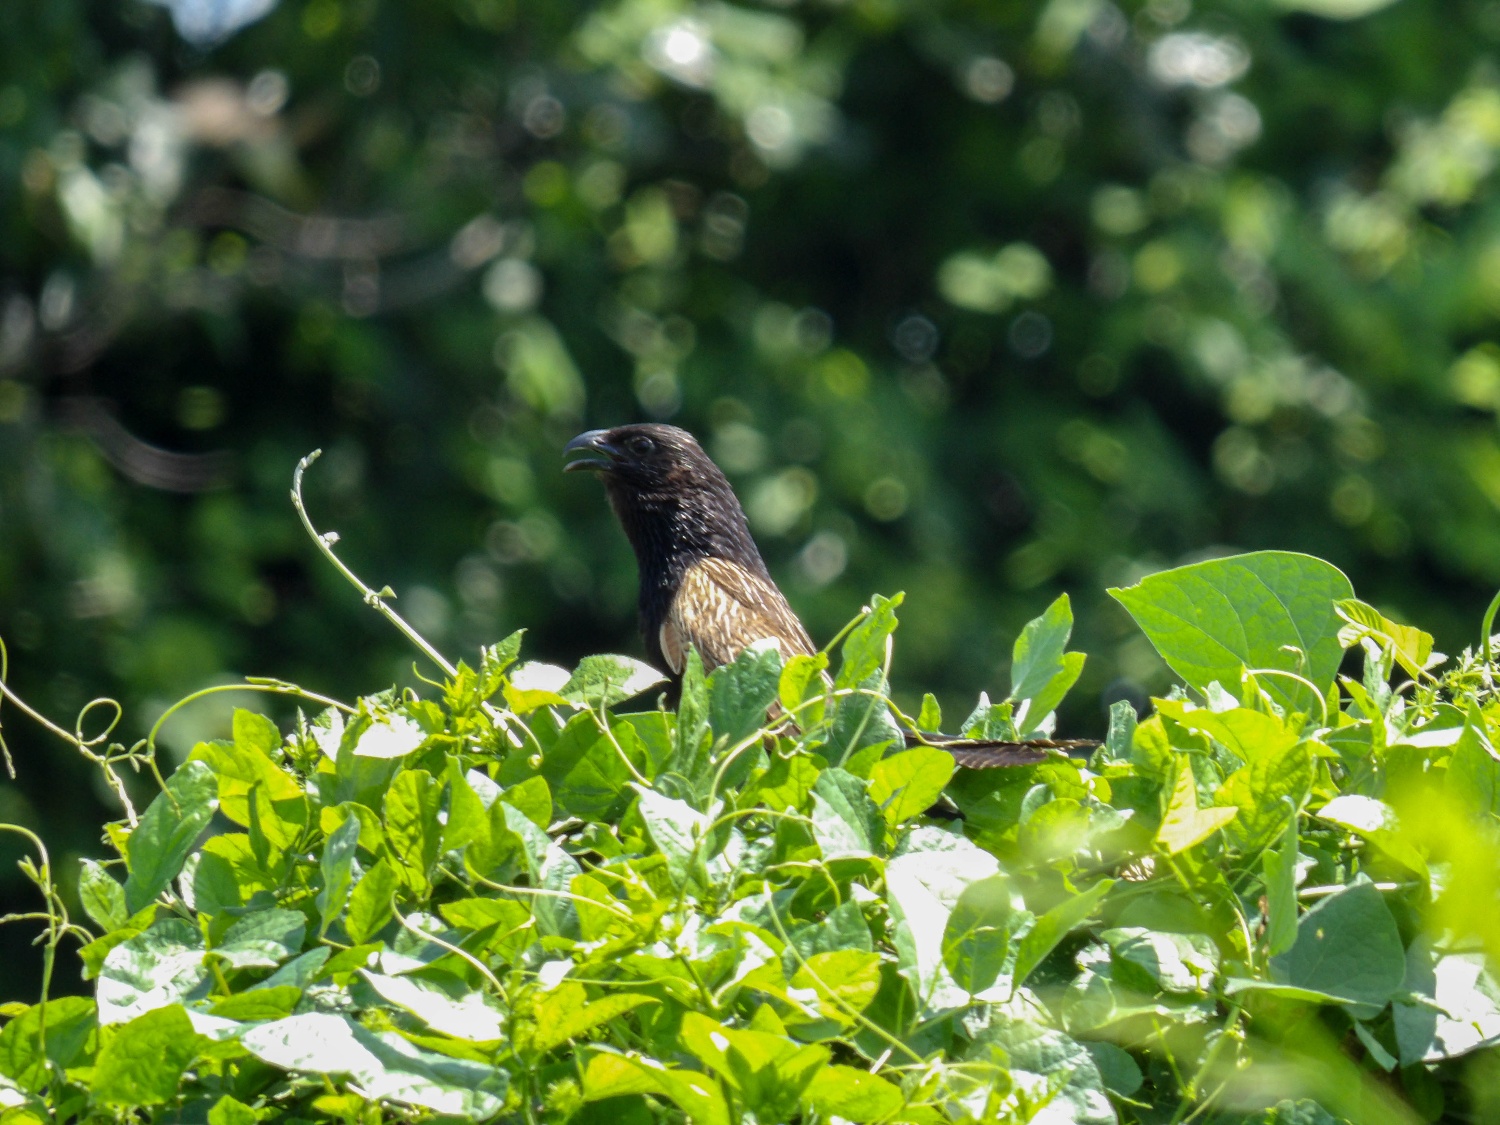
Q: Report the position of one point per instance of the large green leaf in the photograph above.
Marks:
(740, 692)
(1041, 671)
(612, 1075)
(412, 807)
(142, 1062)
(164, 965)
(337, 865)
(167, 832)
(1347, 947)
(1044, 1058)
(470, 1015)
(1455, 1008)
(383, 1064)
(1213, 619)
(70, 1023)
(602, 681)
(864, 648)
(1473, 776)
(1054, 925)
(983, 932)
(923, 885)
(907, 784)
(586, 770)
(845, 821)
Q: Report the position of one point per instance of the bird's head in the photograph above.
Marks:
(672, 501)
(646, 458)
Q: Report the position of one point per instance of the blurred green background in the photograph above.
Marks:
(982, 301)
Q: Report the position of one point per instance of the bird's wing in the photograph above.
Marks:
(994, 753)
(721, 609)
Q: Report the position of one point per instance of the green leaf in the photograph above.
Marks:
(909, 783)
(676, 829)
(370, 902)
(163, 965)
(466, 818)
(768, 1071)
(1258, 790)
(786, 784)
(533, 685)
(384, 1065)
(854, 1095)
(260, 1003)
(1121, 734)
(690, 755)
(1184, 823)
(1347, 947)
(337, 866)
(1121, 1074)
(861, 721)
(469, 1015)
(1247, 733)
(845, 821)
(612, 1075)
(1213, 619)
(263, 939)
(930, 717)
(863, 652)
(980, 941)
(550, 868)
(248, 771)
(494, 660)
(1042, 1057)
(1473, 776)
(740, 693)
(70, 1022)
(991, 720)
(801, 680)
(1054, 925)
(1411, 647)
(1279, 868)
(390, 735)
(1150, 961)
(142, 1062)
(102, 896)
(412, 805)
(533, 797)
(1041, 671)
(584, 770)
(1037, 654)
(1376, 822)
(923, 885)
(167, 832)
(843, 980)
(228, 1111)
(1459, 1008)
(603, 681)
(563, 1016)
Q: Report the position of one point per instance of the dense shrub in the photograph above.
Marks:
(1274, 899)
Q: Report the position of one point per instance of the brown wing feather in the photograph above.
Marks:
(721, 609)
(988, 754)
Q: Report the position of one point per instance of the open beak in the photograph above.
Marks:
(600, 454)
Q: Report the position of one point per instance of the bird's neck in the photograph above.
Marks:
(672, 530)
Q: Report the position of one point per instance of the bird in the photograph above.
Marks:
(703, 582)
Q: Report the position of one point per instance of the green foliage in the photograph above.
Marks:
(971, 300)
(582, 911)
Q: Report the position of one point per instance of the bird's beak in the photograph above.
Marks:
(595, 443)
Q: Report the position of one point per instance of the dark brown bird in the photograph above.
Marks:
(702, 580)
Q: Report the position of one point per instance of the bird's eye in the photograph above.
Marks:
(640, 446)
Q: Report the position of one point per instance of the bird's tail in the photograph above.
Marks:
(996, 753)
